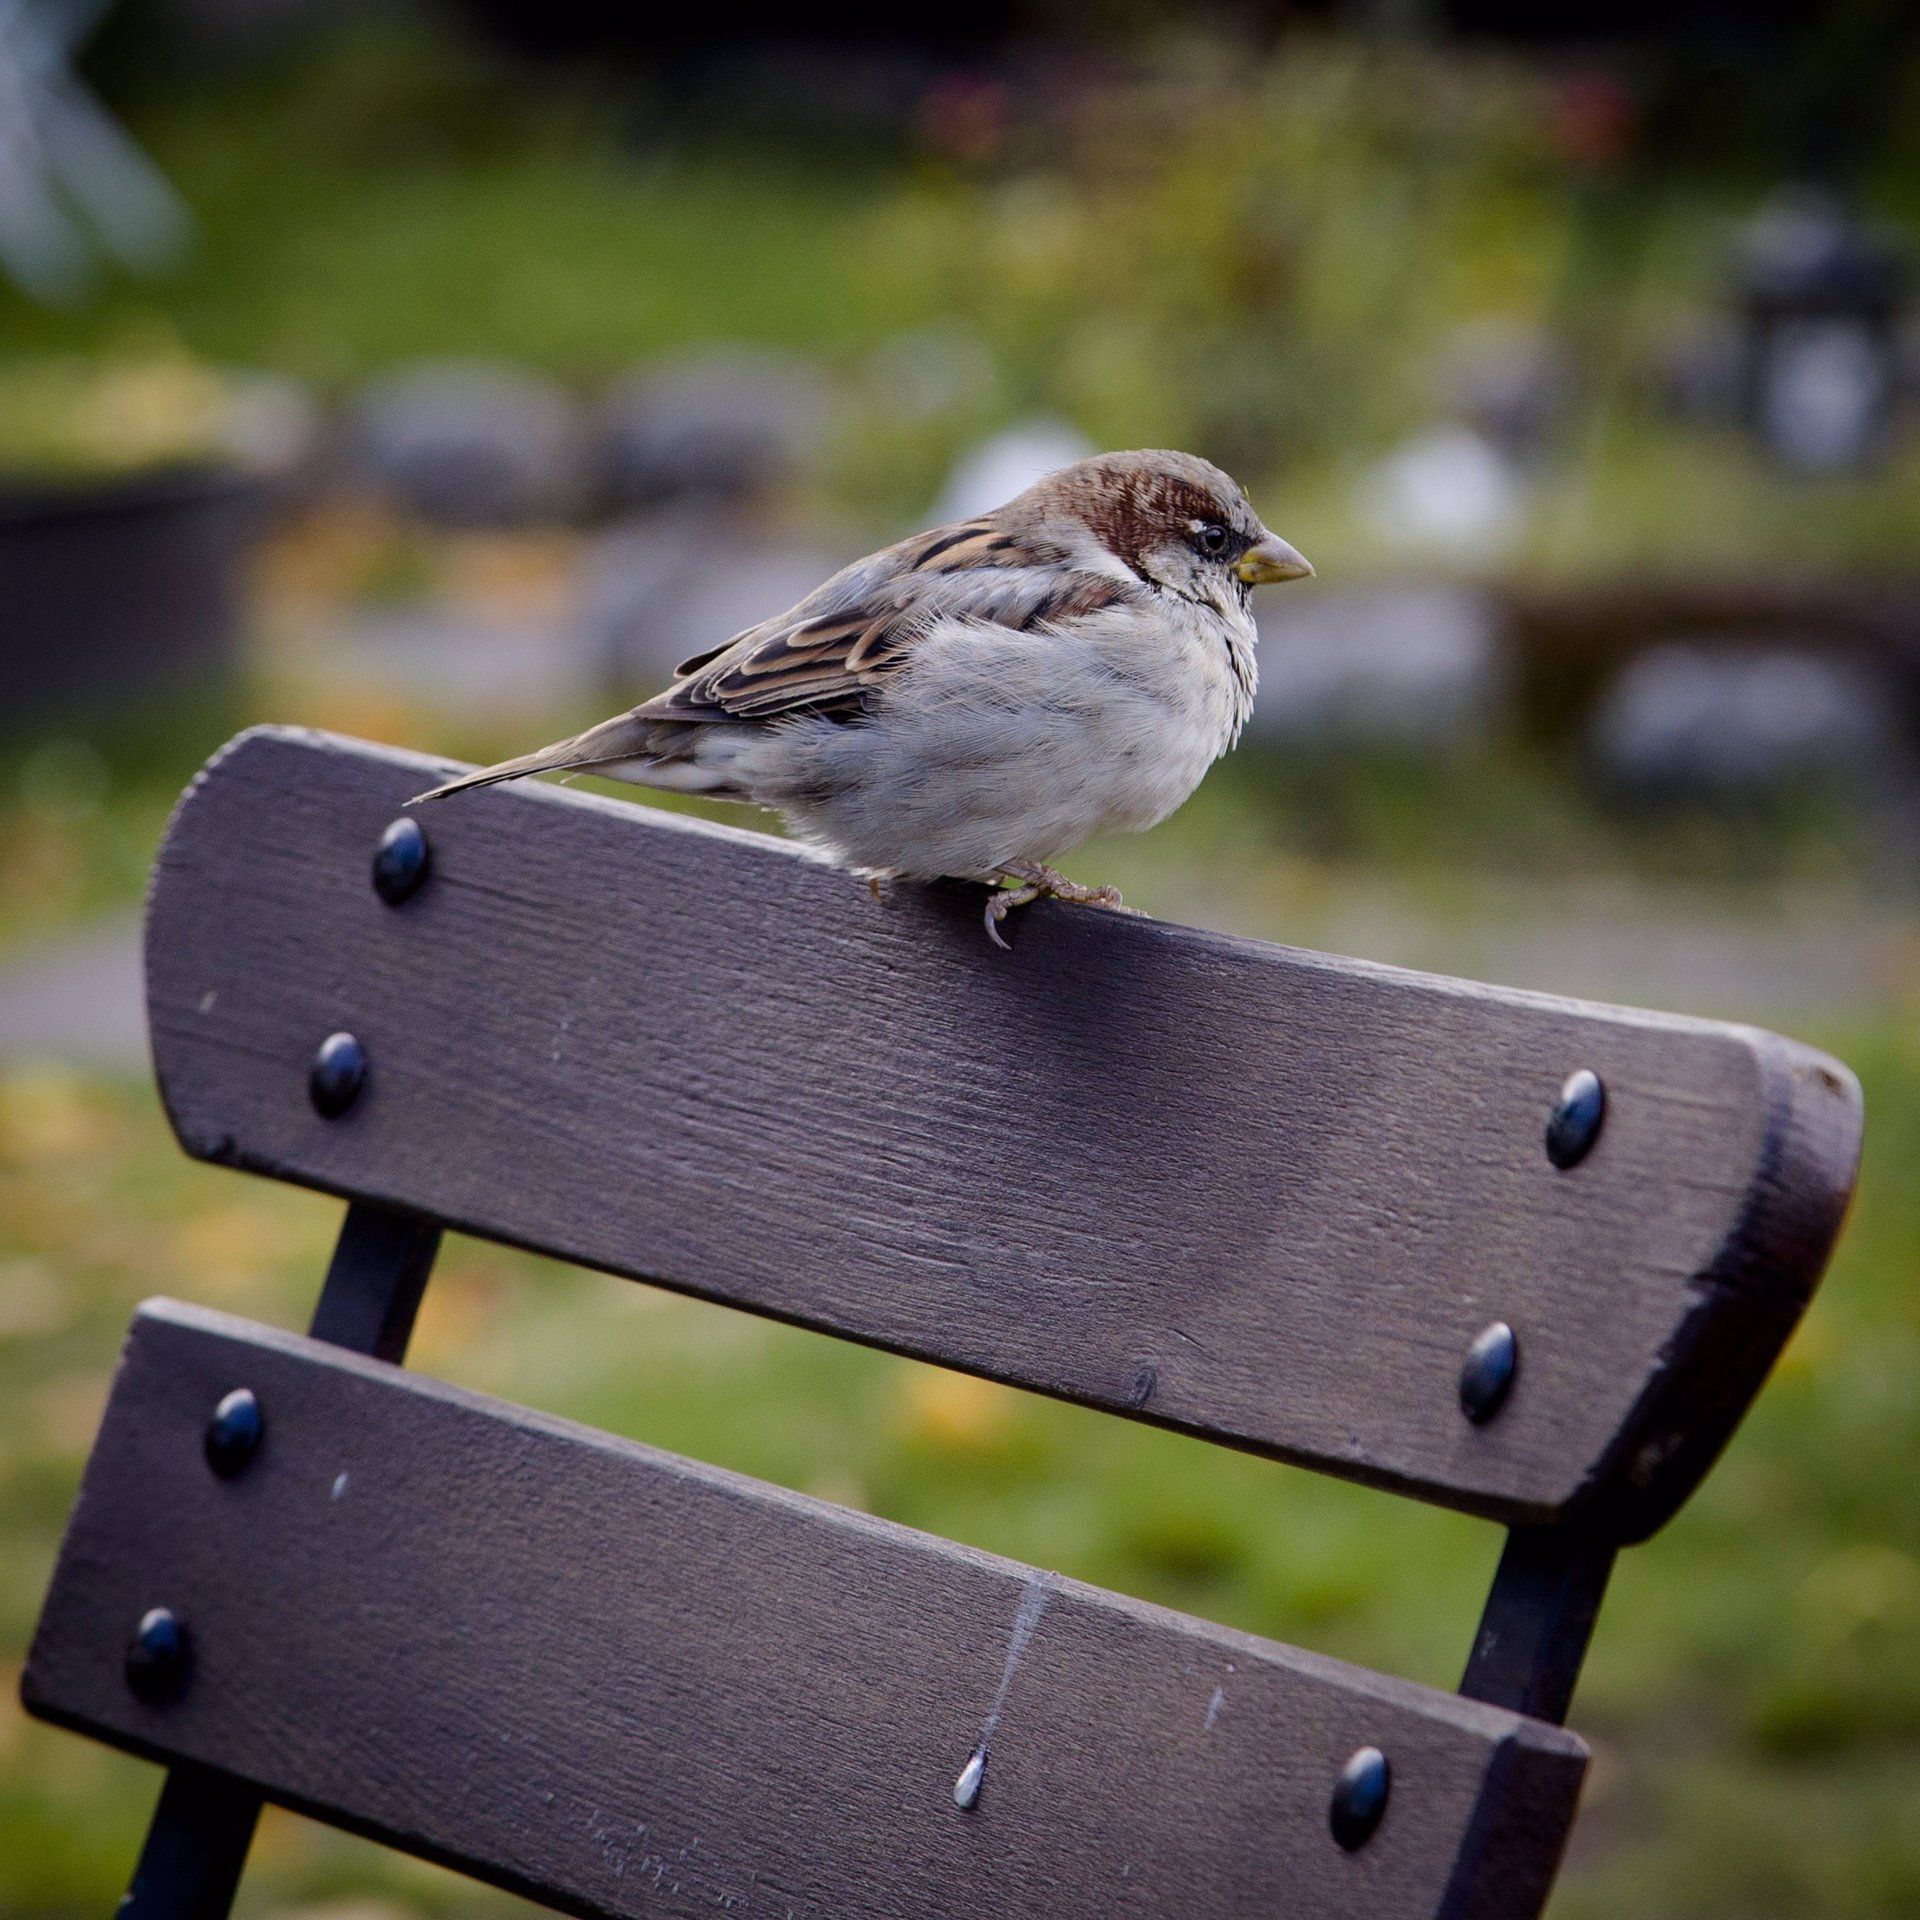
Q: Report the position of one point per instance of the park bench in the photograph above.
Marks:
(1526, 1257)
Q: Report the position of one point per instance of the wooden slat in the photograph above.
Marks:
(628, 1684)
(1260, 1194)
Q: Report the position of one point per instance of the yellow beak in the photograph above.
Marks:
(1270, 560)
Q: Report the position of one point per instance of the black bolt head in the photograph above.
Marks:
(1487, 1378)
(1359, 1798)
(339, 1072)
(1574, 1124)
(400, 863)
(234, 1432)
(158, 1656)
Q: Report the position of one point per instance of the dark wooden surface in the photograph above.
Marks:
(1260, 1194)
(635, 1685)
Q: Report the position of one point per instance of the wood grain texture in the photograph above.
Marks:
(1258, 1194)
(628, 1684)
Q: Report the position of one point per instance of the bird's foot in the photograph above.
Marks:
(1033, 881)
(1052, 882)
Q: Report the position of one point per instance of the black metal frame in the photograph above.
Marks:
(197, 1843)
(1539, 1617)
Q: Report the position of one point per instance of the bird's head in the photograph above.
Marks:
(1171, 520)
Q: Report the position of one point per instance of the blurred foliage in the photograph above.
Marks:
(149, 407)
(77, 417)
(82, 811)
(1254, 259)
(1275, 257)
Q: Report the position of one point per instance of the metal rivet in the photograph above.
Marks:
(234, 1432)
(400, 863)
(1487, 1377)
(339, 1072)
(1359, 1798)
(1574, 1124)
(158, 1656)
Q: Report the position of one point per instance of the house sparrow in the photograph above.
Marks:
(979, 698)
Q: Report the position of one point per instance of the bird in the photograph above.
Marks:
(976, 700)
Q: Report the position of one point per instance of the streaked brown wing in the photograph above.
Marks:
(821, 666)
(828, 654)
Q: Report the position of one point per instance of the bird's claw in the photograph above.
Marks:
(1001, 901)
(1034, 882)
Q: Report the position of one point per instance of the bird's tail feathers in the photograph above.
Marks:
(623, 738)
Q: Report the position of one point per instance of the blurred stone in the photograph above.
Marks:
(1699, 371)
(1907, 364)
(1407, 667)
(654, 593)
(445, 654)
(727, 425)
(930, 372)
(272, 425)
(1449, 494)
(1703, 721)
(470, 444)
(1507, 381)
(1822, 292)
(990, 474)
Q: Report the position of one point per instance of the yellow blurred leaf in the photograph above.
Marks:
(31, 1299)
(47, 1113)
(461, 1303)
(955, 1411)
(66, 1412)
(222, 1252)
(13, 1716)
(1869, 1585)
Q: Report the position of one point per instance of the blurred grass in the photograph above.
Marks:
(82, 809)
(1263, 272)
(460, 209)
(1753, 1696)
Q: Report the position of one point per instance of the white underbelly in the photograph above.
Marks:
(981, 758)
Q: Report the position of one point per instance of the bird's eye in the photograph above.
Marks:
(1211, 539)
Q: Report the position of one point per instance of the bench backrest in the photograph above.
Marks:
(1519, 1255)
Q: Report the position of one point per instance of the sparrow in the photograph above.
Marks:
(978, 699)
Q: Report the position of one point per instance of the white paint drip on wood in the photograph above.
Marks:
(1033, 1603)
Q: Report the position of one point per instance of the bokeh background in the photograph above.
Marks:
(443, 375)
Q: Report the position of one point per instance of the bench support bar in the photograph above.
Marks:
(1538, 1620)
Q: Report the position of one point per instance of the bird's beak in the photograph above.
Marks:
(1271, 560)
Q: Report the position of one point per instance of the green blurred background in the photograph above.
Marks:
(442, 376)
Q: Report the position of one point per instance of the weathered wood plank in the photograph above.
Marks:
(1260, 1194)
(197, 1841)
(628, 1684)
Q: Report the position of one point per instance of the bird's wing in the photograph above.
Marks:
(829, 653)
